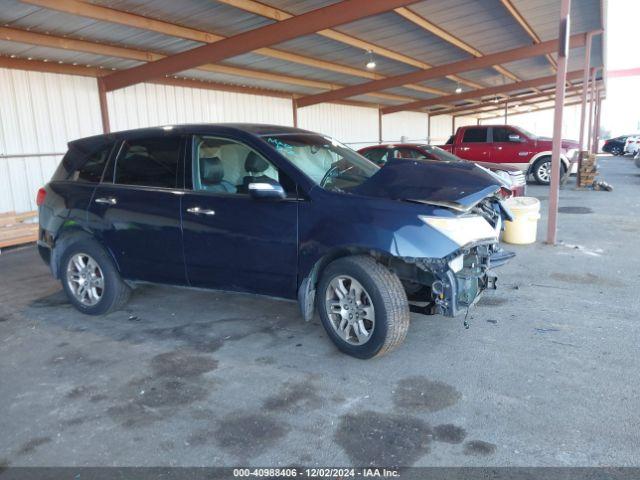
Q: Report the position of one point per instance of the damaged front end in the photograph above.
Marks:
(453, 283)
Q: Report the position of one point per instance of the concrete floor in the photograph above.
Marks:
(547, 375)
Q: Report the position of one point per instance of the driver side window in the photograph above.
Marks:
(222, 165)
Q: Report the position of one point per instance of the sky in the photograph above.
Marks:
(621, 108)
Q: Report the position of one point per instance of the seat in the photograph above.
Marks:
(255, 165)
(212, 176)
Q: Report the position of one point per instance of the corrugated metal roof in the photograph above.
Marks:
(485, 25)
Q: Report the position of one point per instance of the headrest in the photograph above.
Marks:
(254, 163)
(211, 171)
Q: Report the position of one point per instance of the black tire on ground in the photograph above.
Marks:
(115, 293)
(616, 151)
(391, 307)
(538, 175)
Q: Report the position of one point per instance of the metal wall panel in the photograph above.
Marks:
(146, 105)
(410, 125)
(440, 129)
(355, 126)
(39, 114)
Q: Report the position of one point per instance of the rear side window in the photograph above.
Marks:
(151, 162)
(475, 135)
(92, 169)
(83, 164)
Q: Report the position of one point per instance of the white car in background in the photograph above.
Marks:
(632, 145)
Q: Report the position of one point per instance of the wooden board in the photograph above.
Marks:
(14, 231)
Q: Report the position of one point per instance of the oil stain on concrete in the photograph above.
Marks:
(449, 433)
(479, 448)
(421, 394)
(293, 396)
(373, 438)
(248, 435)
(32, 445)
(177, 380)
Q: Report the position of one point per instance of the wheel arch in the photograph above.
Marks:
(307, 287)
(547, 153)
(69, 236)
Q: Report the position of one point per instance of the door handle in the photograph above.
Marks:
(200, 211)
(106, 200)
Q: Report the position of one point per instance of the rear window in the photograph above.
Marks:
(84, 162)
(151, 162)
(377, 155)
(451, 139)
(475, 135)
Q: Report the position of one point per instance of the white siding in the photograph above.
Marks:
(410, 125)
(465, 121)
(440, 129)
(39, 114)
(355, 126)
(146, 105)
(541, 122)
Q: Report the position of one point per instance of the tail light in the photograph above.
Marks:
(42, 194)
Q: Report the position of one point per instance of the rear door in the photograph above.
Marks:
(474, 145)
(231, 240)
(135, 210)
(507, 149)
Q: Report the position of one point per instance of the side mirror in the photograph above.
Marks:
(266, 191)
(513, 137)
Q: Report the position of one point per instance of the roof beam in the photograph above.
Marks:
(65, 43)
(442, 70)
(307, 23)
(515, 13)
(93, 72)
(527, 84)
(422, 22)
(111, 15)
(538, 110)
(471, 109)
(273, 13)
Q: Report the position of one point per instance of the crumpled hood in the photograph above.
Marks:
(458, 185)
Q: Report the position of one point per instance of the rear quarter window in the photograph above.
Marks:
(83, 164)
(475, 135)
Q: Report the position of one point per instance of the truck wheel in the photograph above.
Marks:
(363, 306)
(90, 279)
(542, 170)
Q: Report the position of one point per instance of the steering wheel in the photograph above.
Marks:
(330, 173)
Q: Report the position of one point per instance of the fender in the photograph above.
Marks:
(547, 153)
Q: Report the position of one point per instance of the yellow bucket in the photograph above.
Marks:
(526, 213)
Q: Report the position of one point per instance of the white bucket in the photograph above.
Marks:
(526, 213)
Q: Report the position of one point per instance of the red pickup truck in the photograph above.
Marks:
(514, 146)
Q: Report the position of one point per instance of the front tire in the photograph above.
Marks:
(542, 171)
(616, 151)
(363, 306)
(90, 279)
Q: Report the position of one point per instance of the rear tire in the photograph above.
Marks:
(541, 170)
(369, 300)
(616, 151)
(90, 278)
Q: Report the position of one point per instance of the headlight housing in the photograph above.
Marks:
(464, 229)
(504, 176)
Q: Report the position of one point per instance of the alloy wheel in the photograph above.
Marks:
(544, 172)
(350, 310)
(85, 279)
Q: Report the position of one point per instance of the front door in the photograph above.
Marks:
(474, 145)
(231, 240)
(135, 210)
(507, 148)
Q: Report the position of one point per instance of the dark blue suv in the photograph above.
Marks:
(274, 211)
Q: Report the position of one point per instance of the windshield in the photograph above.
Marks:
(441, 154)
(324, 160)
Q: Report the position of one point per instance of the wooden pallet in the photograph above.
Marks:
(588, 169)
(18, 228)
